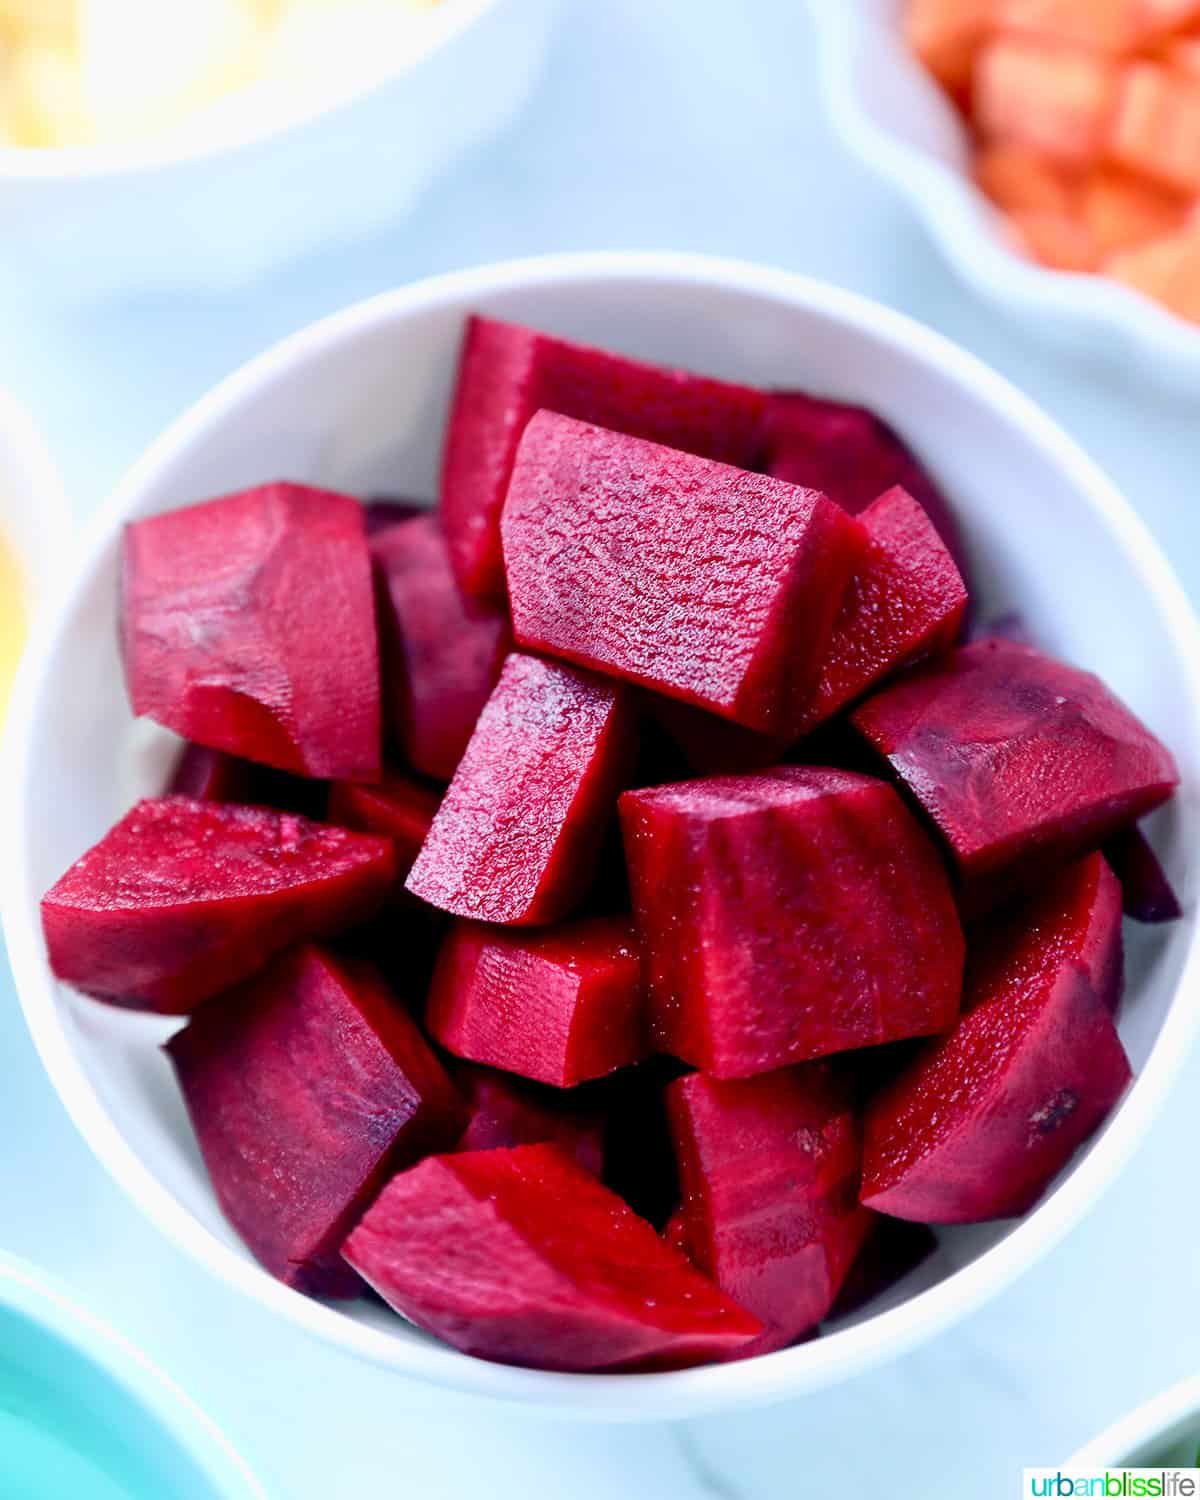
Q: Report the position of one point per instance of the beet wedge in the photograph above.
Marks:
(1148, 895)
(905, 600)
(398, 808)
(215, 776)
(442, 653)
(850, 455)
(248, 625)
(1020, 761)
(893, 1250)
(182, 899)
(981, 1123)
(560, 1006)
(521, 826)
(507, 373)
(774, 921)
(307, 1088)
(770, 1169)
(700, 581)
(521, 1256)
(505, 1112)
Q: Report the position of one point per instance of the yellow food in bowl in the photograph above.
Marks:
(12, 621)
(94, 72)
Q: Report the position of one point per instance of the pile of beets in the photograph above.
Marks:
(615, 914)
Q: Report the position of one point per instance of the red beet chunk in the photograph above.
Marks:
(1020, 761)
(308, 1087)
(399, 808)
(905, 600)
(523, 1257)
(978, 1126)
(519, 831)
(442, 653)
(894, 1250)
(703, 582)
(182, 899)
(770, 1171)
(1147, 893)
(560, 1006)
(212, 776)
(385, 511)
(248, 625)
(507, 373)
(850, 455)
(773, 922)
(675, 1232)
(504, 1113)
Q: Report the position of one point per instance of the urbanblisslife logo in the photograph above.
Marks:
(1112, 1484)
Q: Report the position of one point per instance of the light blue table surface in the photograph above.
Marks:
(672, 124)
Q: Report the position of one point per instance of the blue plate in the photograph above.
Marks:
(84, 1416)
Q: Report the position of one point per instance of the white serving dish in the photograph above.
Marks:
(891, 114)
(358, 402)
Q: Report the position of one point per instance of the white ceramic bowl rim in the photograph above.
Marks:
(1158, 1424)
(963, 222)
(29, 1293)
(432, 31)
(35, 517)
(615, 1397)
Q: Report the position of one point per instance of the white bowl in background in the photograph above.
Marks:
(1165, 1431)
(218, 203)
(358, 402)
(35, 519)
(893, 116)
(72, 1379)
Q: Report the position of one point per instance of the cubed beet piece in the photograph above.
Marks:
(507, 373)
(1021, 761)
(1147, 893)
(384, 510)
(215, 776)
(700, 581)
(248, 625)
(788, 915)
(770, 1170)
(308, 1087)
(442, 653)
(505, 1112)
(182, 898)
(398, 808)
(852, 456)
(519, 831)
(894, 1249)
(978, 1126)
(905, 600)
(559, 1006)
(521, 1256)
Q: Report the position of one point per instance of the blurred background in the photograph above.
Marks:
(678, 124)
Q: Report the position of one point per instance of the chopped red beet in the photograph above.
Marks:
(442, 653)
(776, 924)
(559, 1006)
(675, 1232)
(894, 1250)
(518, 833)
(181, 899)
(213, 776)
(307, 1088)
(1147, 893)
(851, 456)
(248, 625)
(1020, 760)
(385, 511)
(905, 600)
(978, 1126)
(703, 582)
(505, 1112)
(769, 1169)
(398, 808)
(507, 373)
(523, 1257)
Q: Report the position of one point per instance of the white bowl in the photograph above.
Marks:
(893, 116)
(232, 195)
(1164, 1431)
(358, 401)
(35, 519)
(82, 1385)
